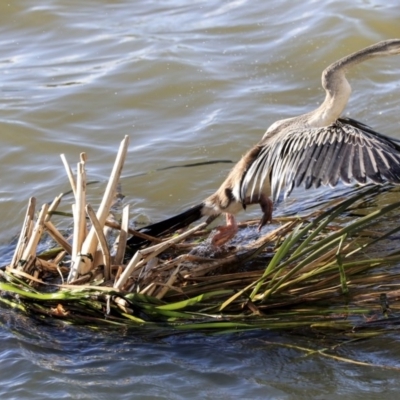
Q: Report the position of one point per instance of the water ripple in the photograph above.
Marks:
(188, 82)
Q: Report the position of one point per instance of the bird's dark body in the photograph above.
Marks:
(166, 226)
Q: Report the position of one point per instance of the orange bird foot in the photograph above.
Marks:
(225, 233)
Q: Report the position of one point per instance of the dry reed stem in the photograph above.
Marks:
(274, 235)
(36, 276)
(181, 259)
(117, 226)
(392, 296)
(31, 225)
(78, 211)
(163, 291)
(49, 266)
(51, 229)
(123, 235)
(102, 241)
(30, 250)
(74, 236)
(118, 274)
(83, 263)
(60, 256)
(61, 286)
(25, 275)
(25, 232)
(53, 207)
(118, 284)
(153, 251)
(144, 236)
(56, 235)
(149, 289)
(205, 269)
(159, 248)
(81, 194)
(150, 266)
(123, 305)
(70, 174)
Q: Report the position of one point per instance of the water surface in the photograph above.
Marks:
(188, 82)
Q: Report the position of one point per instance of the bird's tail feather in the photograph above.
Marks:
(167, 226)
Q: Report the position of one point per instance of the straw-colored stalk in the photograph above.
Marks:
(78, 210)
(69, 173)
(145, 255)
(29, 254)
(102, 241)
(82, 263)
(169, 285)
(51, 229)
(58, 237)
(26, 231)
(123, 236)
(53, 207)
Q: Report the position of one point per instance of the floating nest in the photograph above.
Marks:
(332, 270)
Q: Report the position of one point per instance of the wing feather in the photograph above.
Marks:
(347, 150)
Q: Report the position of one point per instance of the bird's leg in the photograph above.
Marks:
(266, 205)
(225, 233)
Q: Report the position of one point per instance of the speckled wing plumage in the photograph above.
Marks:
(346, 150)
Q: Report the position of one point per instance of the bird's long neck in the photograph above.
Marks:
(337, 87)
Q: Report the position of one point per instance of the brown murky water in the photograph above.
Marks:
(188, 82)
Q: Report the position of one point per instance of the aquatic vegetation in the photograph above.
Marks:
(333, 270)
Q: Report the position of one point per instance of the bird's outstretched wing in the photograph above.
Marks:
(346, 150)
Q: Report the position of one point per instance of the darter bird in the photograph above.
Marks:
(317, 148)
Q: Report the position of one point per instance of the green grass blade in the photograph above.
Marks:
(194, 300)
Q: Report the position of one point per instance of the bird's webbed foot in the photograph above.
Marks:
(225, 233)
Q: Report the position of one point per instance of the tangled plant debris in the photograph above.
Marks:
(327, 271)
